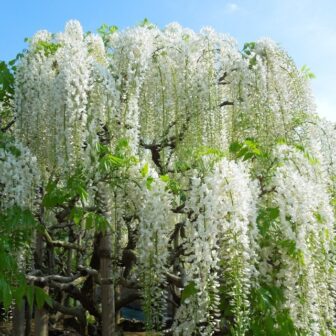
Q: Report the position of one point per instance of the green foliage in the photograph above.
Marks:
(74, 189)
(7, 71)
(16, 227)
(202, 158)
(188, 291)
(247, 150)
(6, 295)
(249, 47)
(6, 143)
(144, 170)
(6, 81)
(306, 72)
(105, 31)
(90, 219)
(273, 319)
(247, 52)
(96, 221)
(149, 182)
(146, 23)
(47, 48)
(73, 193)
(265, 219)
(209, 151)
(110, 163)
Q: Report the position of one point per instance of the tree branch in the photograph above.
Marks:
(60, 243)
(8, 126)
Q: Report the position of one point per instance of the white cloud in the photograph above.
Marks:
(232, 7)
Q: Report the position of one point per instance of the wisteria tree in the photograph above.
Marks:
(170, 168)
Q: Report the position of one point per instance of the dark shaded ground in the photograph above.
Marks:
(5, 330)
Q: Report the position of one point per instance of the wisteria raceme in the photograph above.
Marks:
(132, 52)
(221, 247)
(202, 79)
(321, 141)
(201, 269)
(155, 224)
(19, 176)
(270, 94)
(306, 233)
(52, 86)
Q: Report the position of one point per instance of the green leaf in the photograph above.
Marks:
(273, 213)
(99, 222)
(113, 29)
(188, 291)
(319, 217)
(48, 48)
(248, 47)
(41, 297)
(253, 147)
(30, 295)
(102, 223)
(81, 191)
(146, 23)
(89, 221)
(244, 150)
(186, 37)
(165, 178)
(290, 246)
(76, 215)
(144, 170)
(311, 159)
(15, 151)
(149, 182)
(105, 30)
(122, 144)
(110, 161)
(248, 156)
(19, 293)
(205, 151)
(181, 166)
(5, 293)
(55, 198)
(306, 72)
(235, 147)
(266, 217)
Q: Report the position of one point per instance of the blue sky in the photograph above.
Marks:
(305, 28)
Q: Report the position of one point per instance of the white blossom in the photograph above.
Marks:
(19, 176)
(221, 247)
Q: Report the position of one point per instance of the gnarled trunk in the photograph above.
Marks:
(107, 286)
(41, 315)
(19, 320)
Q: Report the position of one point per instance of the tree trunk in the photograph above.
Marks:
(107, 288)
(41, 322)
(41, 315)
(28, 317)
(103, 198)
(19, 320)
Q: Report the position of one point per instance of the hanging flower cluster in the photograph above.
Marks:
(321, 141)
(150, 85)
(304, 240)
(221, 263)
(19, 175)
(52, 95)
(155, 224)
(271, 94)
